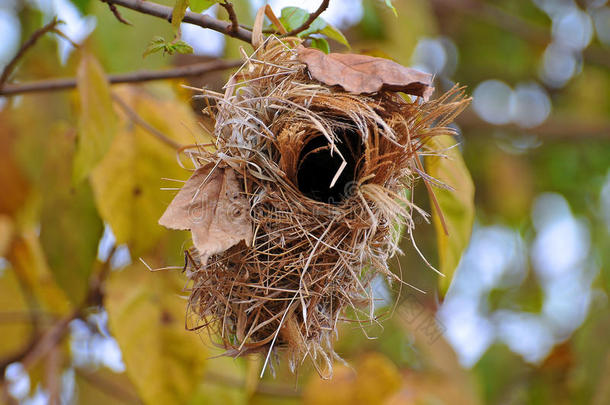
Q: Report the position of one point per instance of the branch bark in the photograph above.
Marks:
(232, 16)
(134, 77)
(116, 13)
(44, 343)
(26, 45)
(201, 20)
(149, 128)
(310, 20)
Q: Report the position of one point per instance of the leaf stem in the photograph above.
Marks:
(310, 20)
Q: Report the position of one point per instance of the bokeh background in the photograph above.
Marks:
(525, 321)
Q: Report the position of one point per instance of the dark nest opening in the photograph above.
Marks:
(327, 171)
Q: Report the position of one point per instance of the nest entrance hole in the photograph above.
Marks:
(318, 167)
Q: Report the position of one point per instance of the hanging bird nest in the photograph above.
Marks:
(303, 200)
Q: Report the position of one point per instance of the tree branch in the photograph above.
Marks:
(554, 128)
(134, 77)
(201, 20)
(26, 45)
(310, 20)
(116, 13)
(517, 25)
(149, 128)
(232, 16)
(107, 386)
(41, 346)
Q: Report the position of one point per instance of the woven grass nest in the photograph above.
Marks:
(302, 202)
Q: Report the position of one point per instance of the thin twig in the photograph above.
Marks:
(272, 390)
(310, 20)
(141, 122)
(134, 77)
(555, 128)
(522, 28)
(26, 316)
(227, 5)
(27, 45)
(52, 377)
(116, 13)
(108, 386)
(45, 342)
(201, 20)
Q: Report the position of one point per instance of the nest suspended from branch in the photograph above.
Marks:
(303, 201)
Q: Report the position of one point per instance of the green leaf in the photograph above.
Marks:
(294, 17)
(70, 254)
(180, 47)
(333, 33)
(164, 361)
(97, 122)
(457, 205)
(178, 13)
(156, 44)
(197, 6)
(160, 44)
(321, 44)
(391, 6)
(127, 183)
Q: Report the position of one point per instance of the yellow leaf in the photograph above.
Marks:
(164, 361)
(97, 122)
(6, 233)
(178, 13)
(15, 327)
(127, 183)
(70, 228)
(13, 183)
(28, 260)
(457, 205)
(375, 379)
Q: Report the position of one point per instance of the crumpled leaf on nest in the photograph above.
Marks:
(212, 206)
(364, 74)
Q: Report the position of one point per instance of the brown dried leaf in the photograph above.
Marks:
(364, 74)
(213, 207)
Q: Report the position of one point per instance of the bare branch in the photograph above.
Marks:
(27, 45)
(116, 13)
(267, 389)
(310, 20)
(554, 128)
(232, 16)
(202, 20)
(141, 122)
(107, 386)
(134, 77)
(44, 343)
(517, 25)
